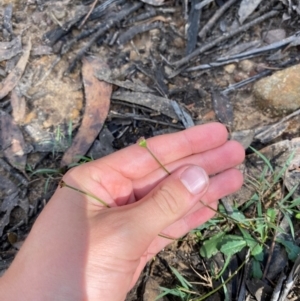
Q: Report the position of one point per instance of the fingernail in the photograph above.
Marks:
(195, 179)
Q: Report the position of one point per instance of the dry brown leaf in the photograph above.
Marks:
(223, 108)
(13, 78)
(97, 94)
(12, 142)
(18, 105)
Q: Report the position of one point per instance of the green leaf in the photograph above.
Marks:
(254, 199)
(261, 229)
(255, 248)
(256, 270)
(238, 216)
(294, 203)
(271, 215)
(233, 245)
(173, 292)
(292, 249)
(46, 171)
(288, 219)
(181, 279)
(263, 158)
(285, 167)
(211, 246)
(291, 192)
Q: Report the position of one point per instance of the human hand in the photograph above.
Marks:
(80, 250)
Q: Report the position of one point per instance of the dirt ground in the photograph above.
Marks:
(46, 48)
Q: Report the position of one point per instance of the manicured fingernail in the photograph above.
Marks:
(195, 179)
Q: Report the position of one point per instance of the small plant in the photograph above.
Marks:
(252, 233)
(184, 290)
(51, 174)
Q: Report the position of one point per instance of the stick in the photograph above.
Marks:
(214, 19)
(110, 23)
(88, 14)
(223, 38)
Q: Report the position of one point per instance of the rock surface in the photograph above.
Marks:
(279, 94)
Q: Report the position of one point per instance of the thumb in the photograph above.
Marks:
(167, 203)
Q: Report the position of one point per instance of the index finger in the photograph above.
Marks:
(135, 161)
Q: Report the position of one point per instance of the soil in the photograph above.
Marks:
(54, 101)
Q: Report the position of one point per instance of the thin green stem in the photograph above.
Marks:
(64, 184)
(143, 143)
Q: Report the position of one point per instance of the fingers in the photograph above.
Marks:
(135, 161)
(213, 161)
(123, 191)
(141, 222)
(220, 186)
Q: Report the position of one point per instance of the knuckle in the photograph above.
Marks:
(166, 201)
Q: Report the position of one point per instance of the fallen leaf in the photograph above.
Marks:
(247, 7)
(13, 78)
(223, 108)
(159, 104)
(10, 49)
(12, 142)
(97, 94)
(18, 105)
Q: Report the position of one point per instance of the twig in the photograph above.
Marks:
(110, 23)
(88, 14)
(223, 38)
(262, 134)
(133, 31)
(214, 19)
(141, 118)
(246, 81)
(256, 77)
